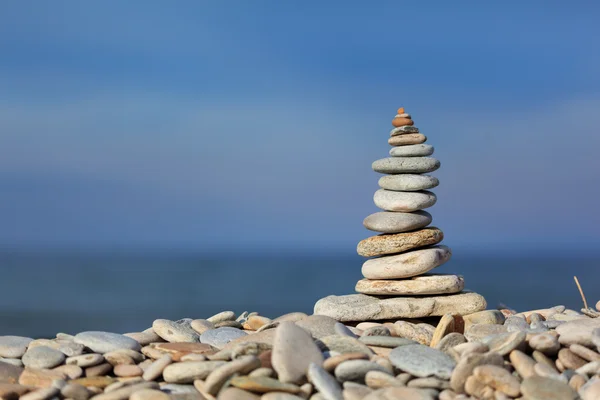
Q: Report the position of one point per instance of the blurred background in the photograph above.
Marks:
(170, 160)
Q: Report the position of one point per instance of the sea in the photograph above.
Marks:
(42, 293)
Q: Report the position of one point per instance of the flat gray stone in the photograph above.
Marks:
(221, 336)
(343, 330)
(386, 244)
(408, 182)
(105, 342)
(390, 200)
(504, 343)
(175, 332)
(402, 130)
(325, 384)
(319, 326)
(386, 341)
(406, 165)
(293, 352)
(360, 307)
(422, 361)
(413, 150)
(539, 388)
(187, 372)
(42, 357)
(449, 341)
(397, 222)
(13, 346)
(343, 344)
(406, 265)
(578, 332)
(418, 285)
(355, 370)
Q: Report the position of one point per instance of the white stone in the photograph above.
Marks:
(408, 182)
(390, 200)
(406, 265)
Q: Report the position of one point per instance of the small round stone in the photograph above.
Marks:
(419, 285)
(545, 343)
(406, 165)
(407, 139)
(355, 370)
(401, 121)
(539, 388)
(13, 346)
(406, 265)
(43, 357)
(396, 222)
(174, 332)
(413, 150)
(390, 200)
(408, 182)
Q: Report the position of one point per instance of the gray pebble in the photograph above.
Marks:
(355, 370)
(175, 333)
(104, 342)
(13, 346)
(386, 341)
(43, 357)
(221, 336)
(343, 330)
(422, 361)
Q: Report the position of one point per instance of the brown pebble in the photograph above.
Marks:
(444, 327)
(522, 363)
(127, 370)
(543, 359)
(498, 378)
(577, 381)
(409, 138)
(400, 121)
(584, 352)
(98, 370)
(40, 378)
(570, 360)
(379, 379)
(256, 322)
(71, 371)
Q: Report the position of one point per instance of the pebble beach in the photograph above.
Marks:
(408, 333)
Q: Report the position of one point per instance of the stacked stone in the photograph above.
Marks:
(405, 252)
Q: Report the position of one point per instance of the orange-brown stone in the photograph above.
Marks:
(401, 121)
(40, 378)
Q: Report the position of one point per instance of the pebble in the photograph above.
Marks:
(280, 396)
(40, 394)
(390, 200)
(40, 378)
(175, 332)
(402, 121)
(596, 338)
(570, 360)
(450, 341)
(445, 326)
(222, 316)
(414, 150)
(12, 361)
(498, 378)
(400, 130)
(545, 343)
(319, 326)
(516, 324)
(360, 307)
(504, 343)
(187, 372)
(544, 370)
(394, 222)
(422, 361)
(343, 330)
(127, 370)
(406, 165)
(578, 332)
(584, 352)
(219, 337)
(378, 380)
(126, 392)
(85, 360)
(399, 242)
(406, 139)
(539, 388)
(406, 265)
(104, 342)
(232, 393)
(98, 370)
(145, 338)
(408, 182)
(489, 317)
(67, 347)
(217, 378)
(13, 346)
(263, 384)
(293, 351)
(201, 325)
(156, 369)
(466, 365)
(355, 370)
(71, 371)
(479, 332)
(380, 330)
(123, 356)
(522, 363)
(75, 392)
(405, 393)
(421, 333)
(331, 363)
(42, 357)
(591, 390)
(419, 285)
(343, 344)
(149, 394)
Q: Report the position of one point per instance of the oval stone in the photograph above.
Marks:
(422, 361)
(399, 242)
(403, 201)
(406, 265)
(420, 285)
(406, 165)
(408, 182)
(401, 130)
(104, 342)
(413, 150)
(397, 222)
(409, 138)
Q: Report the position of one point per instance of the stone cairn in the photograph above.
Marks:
(407, 249)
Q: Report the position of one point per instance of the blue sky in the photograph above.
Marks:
(252, 125)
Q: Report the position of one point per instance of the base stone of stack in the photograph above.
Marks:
(360, 307)
(419, 285)
(385, 244)
(410, 138)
